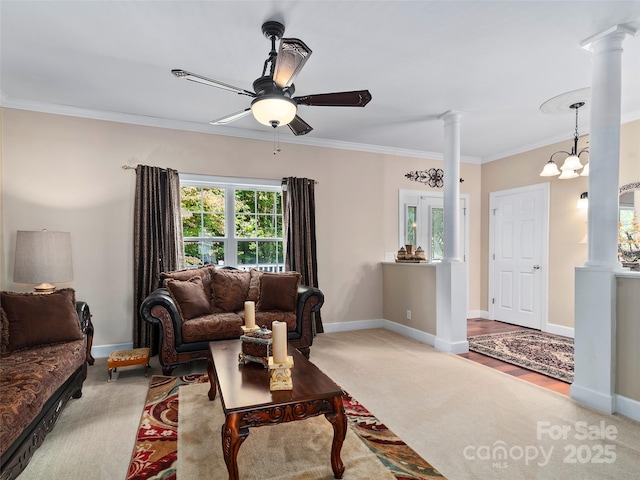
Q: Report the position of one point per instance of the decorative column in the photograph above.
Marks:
(595, 282)
(604, 146)
(451, 186)
(451, 273)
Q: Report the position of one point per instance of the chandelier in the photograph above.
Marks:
(572, 162)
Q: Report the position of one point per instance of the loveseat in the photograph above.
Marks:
(43, 363)
(197, 306)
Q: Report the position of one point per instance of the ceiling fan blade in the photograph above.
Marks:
(292, 55)
(299, 126)
(358, 98)
(208, 81)
(231, 118)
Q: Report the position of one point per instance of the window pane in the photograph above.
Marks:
(411, 225)
(245, 226)
(246, 253)
(267, 253)
(212, 225)
(437, 233)
(191, 224)
(266, 226)
(191, 199)
(245, 201)
(213, 200)
(278, 201)
(266, 202)
(279, 233)
(203, 253)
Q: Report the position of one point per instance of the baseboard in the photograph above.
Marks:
(354, 325)
(483, 314)
(452, 347)
(593, 399)
(628, 407)
(419, 335)
(103, 351)
(560, 330)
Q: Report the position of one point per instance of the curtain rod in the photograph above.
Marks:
(128, 167)
(314, 181)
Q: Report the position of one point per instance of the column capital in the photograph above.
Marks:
(616, 30)
(450, 116)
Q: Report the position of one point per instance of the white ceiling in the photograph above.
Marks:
(494, 61)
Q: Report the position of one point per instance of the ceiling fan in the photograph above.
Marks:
(273, 102)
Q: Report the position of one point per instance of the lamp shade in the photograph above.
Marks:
(43, 257)
(572, 162)
(274, 110)
(550, 169)
(567, 174)
(585, 170)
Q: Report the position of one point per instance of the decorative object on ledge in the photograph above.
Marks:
(434, 177)
(256, 346)
(629, 243)
(572, 162)
(409, 256)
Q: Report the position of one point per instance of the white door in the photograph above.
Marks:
(518, 258)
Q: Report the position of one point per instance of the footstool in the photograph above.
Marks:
(127, 358)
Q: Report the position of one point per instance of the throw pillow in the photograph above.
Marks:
(190, 297)
(34, 319)
(279, 291)
(230, 289)
(254, 285)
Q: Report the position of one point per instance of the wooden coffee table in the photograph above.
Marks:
(247, 401)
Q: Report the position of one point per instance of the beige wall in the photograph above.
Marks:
(410, 287)
(64, 173)
(567, 224)
(627, 335)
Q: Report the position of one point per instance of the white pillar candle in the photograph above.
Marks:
(249, 314)
(279, 330)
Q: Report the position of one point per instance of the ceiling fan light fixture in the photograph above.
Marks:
(274, 110)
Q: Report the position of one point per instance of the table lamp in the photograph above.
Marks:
(43, 258)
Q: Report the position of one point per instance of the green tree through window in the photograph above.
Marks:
(224, 225)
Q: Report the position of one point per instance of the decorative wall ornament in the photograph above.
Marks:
(434, 177)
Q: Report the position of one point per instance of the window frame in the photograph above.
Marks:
(230, 241)
(411, 198)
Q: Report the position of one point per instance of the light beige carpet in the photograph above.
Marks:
(291, 451)
(461, 416)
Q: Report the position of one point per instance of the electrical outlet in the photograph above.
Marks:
(408, 314)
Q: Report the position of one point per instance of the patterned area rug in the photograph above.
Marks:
(541, 352)
(155, 452)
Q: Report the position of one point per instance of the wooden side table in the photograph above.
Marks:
(127, 358)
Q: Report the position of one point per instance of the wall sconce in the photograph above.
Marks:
(43, 258)
(583, 201)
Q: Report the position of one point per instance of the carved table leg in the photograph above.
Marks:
(212, 378)
(232, 438)
(339, 422)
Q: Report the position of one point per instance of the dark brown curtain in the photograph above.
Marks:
(157, 241)
(299, 211)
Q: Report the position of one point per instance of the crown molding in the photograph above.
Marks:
(627, 118)
(148, 121)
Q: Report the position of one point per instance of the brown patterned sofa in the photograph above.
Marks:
(43, 363)
(197, 306)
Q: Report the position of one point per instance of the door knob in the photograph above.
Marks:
(536, 267)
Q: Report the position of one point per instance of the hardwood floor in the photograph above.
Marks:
(477, 326)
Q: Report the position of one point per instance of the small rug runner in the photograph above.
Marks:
(155, 454)
(541, 352)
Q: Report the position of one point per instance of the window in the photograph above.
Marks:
(422, 223)
(234, 222)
